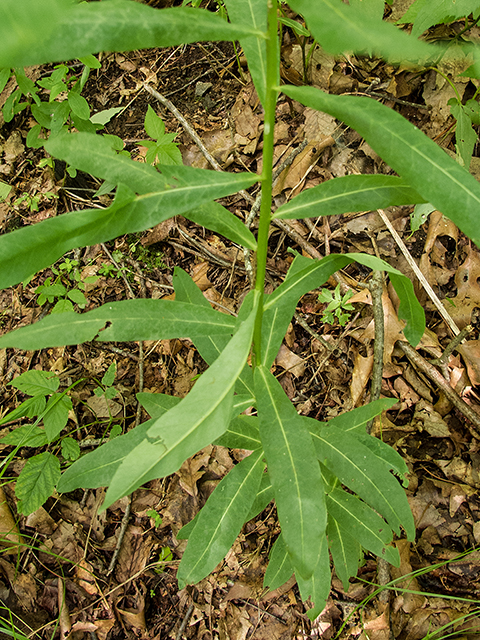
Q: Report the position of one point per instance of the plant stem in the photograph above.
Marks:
(272, 82)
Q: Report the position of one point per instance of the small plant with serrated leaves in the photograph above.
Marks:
(41, 472)
(336, 488)
(162, 149)
(338, 305)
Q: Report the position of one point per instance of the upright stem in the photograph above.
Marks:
(272, 82)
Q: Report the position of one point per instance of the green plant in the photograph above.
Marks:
(41, 472)
(69, 293)
(163, 150)
(308, 462)
(337, 305)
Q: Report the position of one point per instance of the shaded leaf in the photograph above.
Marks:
(364, 525)
(220, 520)
(56, 414)
(346, 551)
(317, 587)
(280, 567)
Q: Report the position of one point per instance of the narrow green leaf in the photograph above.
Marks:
(36, 482)
(209, 347)
(201, 417)
(253, 14)
(36, 383)
(117, 25)
(142, 319)
(4, 190)
(359, 32)
(156, 404)
(263, 498)
(348, 194)
(294, 472)
(104, 116)
(426, 167)
(306, 274)
(97, 468)
(56, 415)
(356, 419)
(362, 472)
(219, 219)
(220, 520)
(386, 454)
(280, 567)
(346, 551)
(317, 587)
(242, 433)
(363, 524)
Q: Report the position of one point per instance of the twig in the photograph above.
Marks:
(185, 620)
(301, 321)
(376, 289)
(450, 348)
(433, 296)
(192, 133)
(121, 535)
(437, 378)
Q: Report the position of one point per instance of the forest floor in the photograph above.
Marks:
(65, 563)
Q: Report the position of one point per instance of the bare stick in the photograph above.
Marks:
(433, 296)
(121, 535)
(376, 289)
(185, 620)
(437, 378)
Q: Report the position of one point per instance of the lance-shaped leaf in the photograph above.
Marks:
(97, 468)
(32, 248)
(156, 404)
(220, 520)
(294, 472)
(356, 419)
(346, 551)
(97, 156)
(219, 219)
(242, 433)
(263, 498)
(363, 524)
(362, 472)
(348, 194)
(317, 587)
(117, 25)
(306, 274)
(201, 417)
(339, 27)
(253, 14)
(211, 346)
(416, 158)
(144, 319)
(280, 568)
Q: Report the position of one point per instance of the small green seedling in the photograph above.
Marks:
(67, 294)
(106, 387)
(337, 307)
(156, 517)
(39, 476)
(163, 150)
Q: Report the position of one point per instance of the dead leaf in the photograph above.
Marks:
(190, 471)
(362, 369)
(134, 552)
(9, 533)
(103, 407)
(290, 361)
(468, 289)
